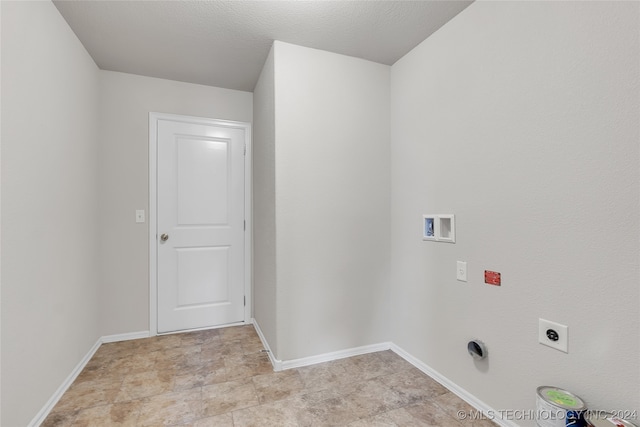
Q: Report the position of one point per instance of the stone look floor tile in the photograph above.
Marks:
(223, 378)
(96, 373)
(323, 376)
(423, 414)
(387, 362)
(171, 408)
(237, 333)
(307, 397)
(330, 412)
(110, 351)
(136, 363)
(118, 414)
(278, 385)
(395, 418)
(352, 371)
(452, 404)
(144, 384)
(374, 397)
(252, 346)
(162, 342)
(59, 419)
(212, 352)
(199, 337)
(429, 414)
(224, 420)
(275, 414)
(227, 348)
(413, 385)
(200, 378)
(88, 394)
(247, 365)
(229, 396)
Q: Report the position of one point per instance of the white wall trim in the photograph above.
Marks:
(277, 364)
(125, 337)
(463, 394)
(280, 365)
(42, 414)
(248, 197)
(335, 355)
(248, 216)
(153, 249)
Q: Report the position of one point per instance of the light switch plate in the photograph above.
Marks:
(461, 271)
(553, 335)
(140, 215)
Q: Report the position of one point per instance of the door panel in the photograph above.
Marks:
(199, 267)
(203, 182)
(200, 197)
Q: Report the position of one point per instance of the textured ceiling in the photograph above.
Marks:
(225, 43)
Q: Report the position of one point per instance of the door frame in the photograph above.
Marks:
(153, 210)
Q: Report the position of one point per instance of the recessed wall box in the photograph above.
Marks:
(429, 227)
(447, 229)
(439, 228)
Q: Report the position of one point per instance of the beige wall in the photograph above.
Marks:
(332, 177)
(125, 103)
(49, 206)
(522, 119)
(264, 207)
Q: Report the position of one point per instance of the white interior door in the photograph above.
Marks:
(200, 224)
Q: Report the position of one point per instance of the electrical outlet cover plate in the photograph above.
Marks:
(461, 272)
(562, 334)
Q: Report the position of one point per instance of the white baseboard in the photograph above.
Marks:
(40, 416)
(463, 394)
(281, 365)
(277, 364)
(125, 337)
(335, 355)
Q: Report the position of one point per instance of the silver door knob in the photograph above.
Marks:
(164, 237)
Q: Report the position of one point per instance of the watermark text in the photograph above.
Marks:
(540, 414)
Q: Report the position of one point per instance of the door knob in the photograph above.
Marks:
(164, 237)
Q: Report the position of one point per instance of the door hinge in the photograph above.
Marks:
(245, 300)
(245, 225)
(245, 149)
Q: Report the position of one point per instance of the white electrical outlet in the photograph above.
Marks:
(553, 334)
(461, 271)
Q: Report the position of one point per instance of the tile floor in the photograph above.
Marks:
(221, 378)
